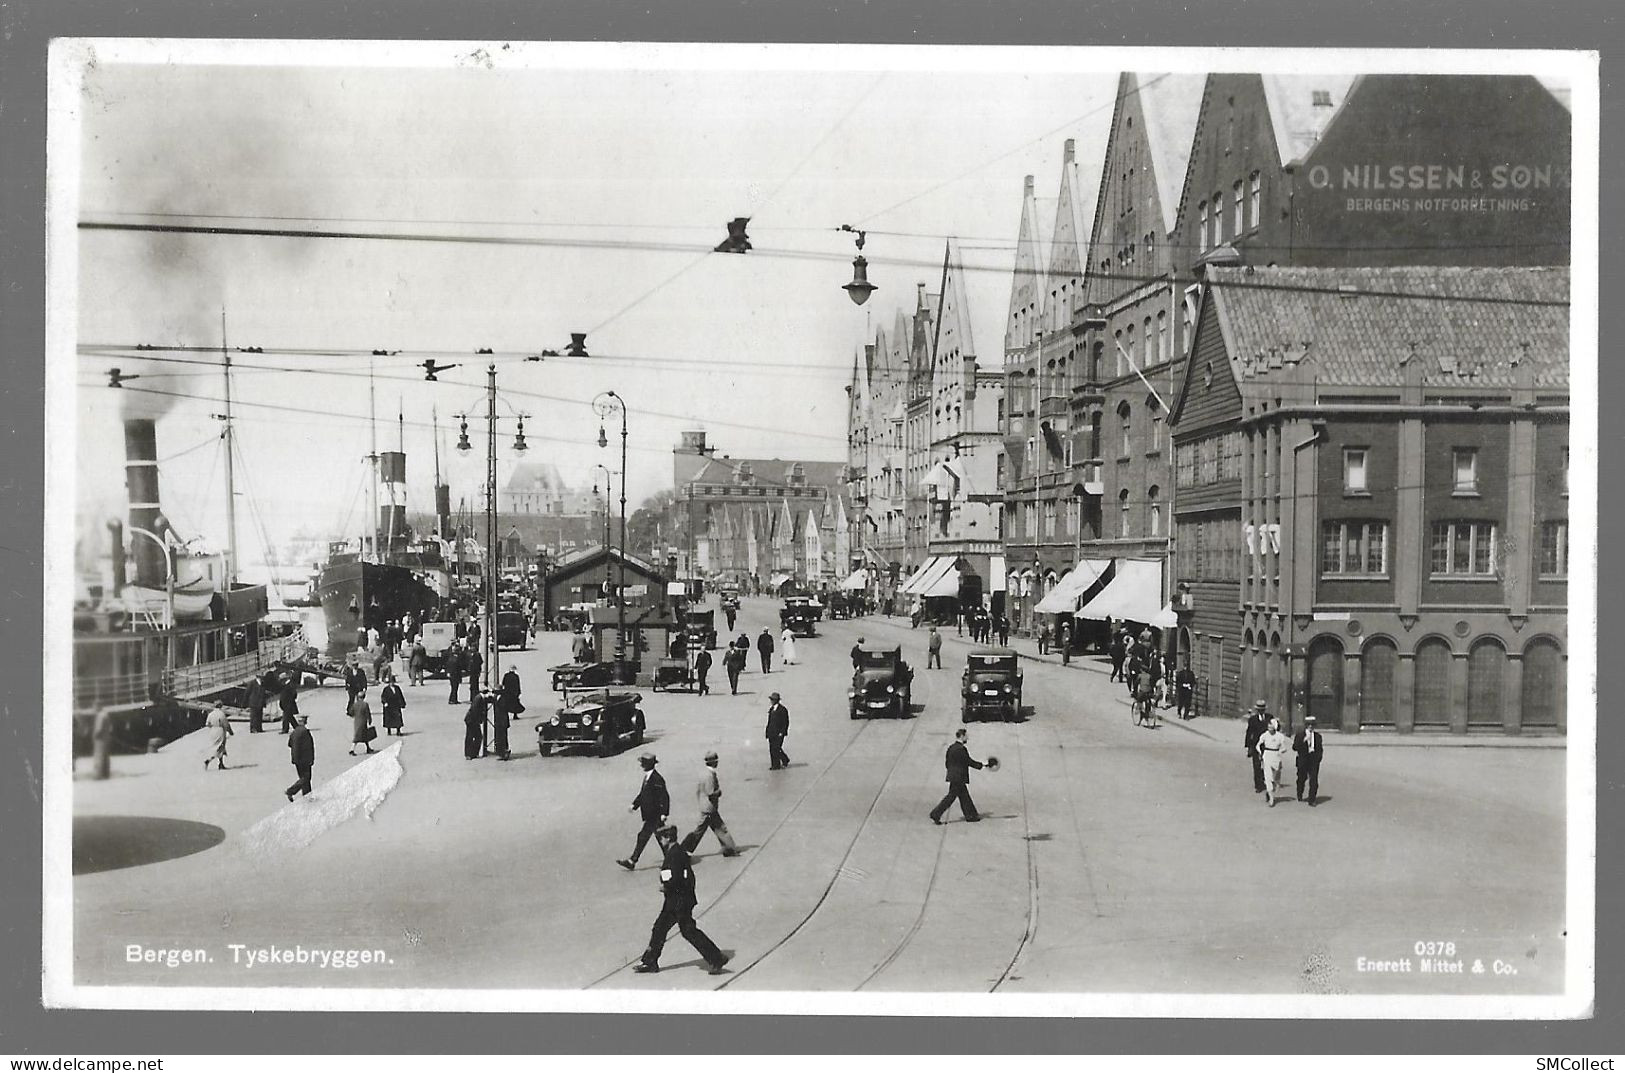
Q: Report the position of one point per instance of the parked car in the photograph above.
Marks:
(605, 722)
(991, 685)
(513, 629)
(882, 683)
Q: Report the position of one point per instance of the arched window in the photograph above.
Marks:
(1486, 682)
(1431, 697)
(1148, 354)
(1155, 409)
(1326, 680)
(1117, 359)
(1154, 495)
(1165, 343)
(1378, 663)
(1094, 361)
(1201, 236)
(1127, 425)
(1094, 434)
(1543, 683)
(1122, 513)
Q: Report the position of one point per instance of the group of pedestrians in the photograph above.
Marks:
(985, 627)
(1266, 746)
(490, 714)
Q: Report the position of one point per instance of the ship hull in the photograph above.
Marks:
(359, 595)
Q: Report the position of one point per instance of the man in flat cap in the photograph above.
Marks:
(653, 802)
(677, 907)
(778, 728)
(1257, 722)
(1309, 746)
(710, 796)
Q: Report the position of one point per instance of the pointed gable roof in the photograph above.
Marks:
(1074, 215)
(1170, 105)
(1301, 107)
(1032, 254)
(953, 319)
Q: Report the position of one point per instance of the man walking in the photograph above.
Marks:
(702, 667)
(302, 751)
(857, 653)
(473, 662)
(653, 803)
(764, 647)
(710, 795)
(1257, 723)
(778, 728)
(416, 662)
(355, 684)
(1002, 624)
(729, 613)
(933, 649)
(1118, 652)
(288, 700)
(733, 661)
(1185, 690)
(256, 705)
(1043, 638)
(677, 887)
(1309, 746)
(958, 762)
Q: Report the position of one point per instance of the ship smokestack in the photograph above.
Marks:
(141, 484)
(442, 511)
(115, 532)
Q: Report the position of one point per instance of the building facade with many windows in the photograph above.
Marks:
(1371, 469)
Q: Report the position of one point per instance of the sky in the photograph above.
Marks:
(627, 172)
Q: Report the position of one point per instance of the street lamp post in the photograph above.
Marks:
(605, 404)
(493, 553)
(606, 470)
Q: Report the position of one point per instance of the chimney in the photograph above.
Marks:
(115, 531)
(1027, 187)
(1069, 153)
(141, 484)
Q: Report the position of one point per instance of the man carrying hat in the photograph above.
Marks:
(677, 887)
(1257, 723)
(653, 802)
(710, 795)
(778, 728)
(1309, 746)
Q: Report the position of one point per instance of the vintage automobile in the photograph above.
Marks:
(568, 676)
(797, 617)
(882, 683)
(701, 627)
(513, 630)
(605, 722)
(991, 686)
(728, 597)
(572, 618)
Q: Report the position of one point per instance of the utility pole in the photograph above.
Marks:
(231, 485)
(493, 553)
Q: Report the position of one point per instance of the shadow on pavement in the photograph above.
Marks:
(107, 843)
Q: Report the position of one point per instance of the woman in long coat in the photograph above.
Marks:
(219, 730)
(361, 732)
(787, 646)
(394, 701)
(474, 727)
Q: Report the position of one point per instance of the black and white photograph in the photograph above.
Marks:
(951, 531)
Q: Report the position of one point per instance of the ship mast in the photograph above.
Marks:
(231, 450)
(372, 427)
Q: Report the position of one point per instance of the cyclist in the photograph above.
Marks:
(1145, 696)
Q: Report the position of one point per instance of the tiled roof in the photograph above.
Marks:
(772, 471)
(1364, 336)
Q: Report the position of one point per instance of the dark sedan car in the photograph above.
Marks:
(882, 683)
(605, 722)
(991, 686)
(513, 630)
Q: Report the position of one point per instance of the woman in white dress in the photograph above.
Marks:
(1272, 746)
(787, 646)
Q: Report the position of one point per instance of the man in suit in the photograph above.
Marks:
(677, 907)
(778, 728)
(355, 683)
(454, 670)
(933, 650)
(1309, 746)
(702, 667)
(709, 792)
(733, 661)
(288, 700)
(653, 803)
(473, 663)
(958, 762)
(256, 705)
(1257, 723)
(302, 751)
(764, 647)
(857, 653)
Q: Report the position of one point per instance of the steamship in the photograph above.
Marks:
(367, 583)
(153, 650)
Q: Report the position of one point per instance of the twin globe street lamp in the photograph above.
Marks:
(605, 405)
(492, 550)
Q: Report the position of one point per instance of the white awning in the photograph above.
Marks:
(859, 579)
(906, 586)
(996, 568)
(777, 580)
(945, 582)
(1134, 593)
(947, 480)
(1063, 598)
(929, 576)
